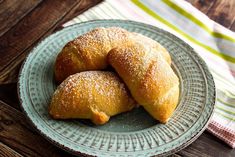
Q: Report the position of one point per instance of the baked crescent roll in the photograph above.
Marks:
(150, 79)
(89, 51)
(143, 40)
(94, 95)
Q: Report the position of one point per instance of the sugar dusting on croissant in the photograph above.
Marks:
(94, 95)
(89, 51)
(142, 63)
(152, 82)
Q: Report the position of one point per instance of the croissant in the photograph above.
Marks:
(150, 79)
(89, 51)
(94, 95)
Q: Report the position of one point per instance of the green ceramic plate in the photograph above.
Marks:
(129, 134)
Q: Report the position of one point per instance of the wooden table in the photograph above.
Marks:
(23, 23)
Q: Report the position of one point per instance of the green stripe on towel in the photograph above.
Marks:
(153, 14)
(231, 113)
(225, 103)
(225, 116)
(196, 21)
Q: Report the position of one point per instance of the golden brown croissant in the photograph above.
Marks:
(150, 79)
(89, 51)
(143, 40)
(94, 95)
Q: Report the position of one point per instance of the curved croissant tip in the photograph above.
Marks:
(100, 118)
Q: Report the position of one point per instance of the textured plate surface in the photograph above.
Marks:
(129, 134)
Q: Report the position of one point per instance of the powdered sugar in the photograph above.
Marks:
(98, 83)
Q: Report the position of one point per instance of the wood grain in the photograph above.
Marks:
(77, 10)
(223, 12)
(233, 26)
(13, 57)
(12, 11)
(207, 146)
(6, 151)
(19, 135)
(8, 94)
(203, 5)
(31, 28)
(174, 155)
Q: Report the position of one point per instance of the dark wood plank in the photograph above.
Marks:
(77, 10)
(12, 11)
(8, 94)
(223, 12)
(6, 151)
(233, 26)
(175, 155)
(14, 57)
(19, 135)
(9, 74)
(32, 27)
(207, 145)
(203, 5)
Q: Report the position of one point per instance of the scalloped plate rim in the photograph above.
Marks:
(183, 145)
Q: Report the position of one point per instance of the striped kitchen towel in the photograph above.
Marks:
(214, 43)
